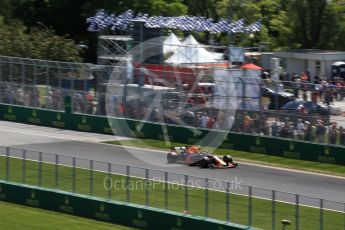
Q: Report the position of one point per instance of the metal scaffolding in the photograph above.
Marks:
(113, 48)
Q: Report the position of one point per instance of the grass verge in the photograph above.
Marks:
(15, 216)
(248, 157)
(241, 209)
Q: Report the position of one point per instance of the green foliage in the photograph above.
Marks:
(308, 18)
(287, 24)
(291, 24)
(6, 8)
(333, 32)
(39, 43)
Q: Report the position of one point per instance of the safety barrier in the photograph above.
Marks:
(104, 210)
(332, 154)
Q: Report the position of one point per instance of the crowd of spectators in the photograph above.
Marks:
(306, 128)
(46, 98)
(269, 123)
(321, 90)
(25, 96)
(299, 125)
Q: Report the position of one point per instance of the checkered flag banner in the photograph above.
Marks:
(97, 22)
(255, 27)
(185, 23)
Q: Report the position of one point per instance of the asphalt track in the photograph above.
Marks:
(86, 146)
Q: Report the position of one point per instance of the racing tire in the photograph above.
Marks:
(205, 162)
(227, 159)
(171, 158)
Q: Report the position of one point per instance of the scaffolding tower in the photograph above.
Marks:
(113, 48)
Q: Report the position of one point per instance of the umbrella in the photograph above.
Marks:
(250, 66)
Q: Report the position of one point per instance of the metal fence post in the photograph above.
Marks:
(24, 166)
(276, 96)
(73, 174)
(297, 212)
(109, 175)
(7, 163)
(91, 177)
(250, 204)
(166, 190)
(11, 75)
(127, 183)
(56, 171)
(146, 189)
(227, 201)
(39, 169)
(206, 197)
(273, 209)
(22, 67)
(186, 193)
(321, 214)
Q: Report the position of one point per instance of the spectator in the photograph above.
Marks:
(19, 96)
(265, 129)
(341, 135)
(314, 96)
(35, 96)
(210, 123)
(204, 120)
(284, 132)
(333, 134)
(308, 131)
(257, 124)
(304, 77)
(247, 123)
(296, 87)
(189, 118)
(275, 128)
(328, 94)
(27, 98)
(291, 130)
(320, 132)
(300, 129)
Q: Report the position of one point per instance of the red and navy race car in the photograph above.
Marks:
(193, 156)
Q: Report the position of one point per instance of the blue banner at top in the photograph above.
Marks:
(123, 21)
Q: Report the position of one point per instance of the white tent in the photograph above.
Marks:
(171, 43)
(191, 51)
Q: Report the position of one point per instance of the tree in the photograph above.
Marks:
(311, 24)
(6, 8)
(38, 43)
(333, 31)
(308, 21)
(251, 11)
(205, 8)
(68, 17)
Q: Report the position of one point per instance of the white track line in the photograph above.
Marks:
(160, 151)
(69, 136)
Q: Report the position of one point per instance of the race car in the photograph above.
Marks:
(193, 156)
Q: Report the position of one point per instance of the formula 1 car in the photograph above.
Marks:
(193, 156)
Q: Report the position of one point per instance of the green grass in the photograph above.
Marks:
(22, 217)
(248, 157)
(239, 205)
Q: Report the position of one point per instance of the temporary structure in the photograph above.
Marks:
(171, 43)
(190, 51)
(250, 66)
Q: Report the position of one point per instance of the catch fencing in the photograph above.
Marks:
(190, 97)
(230, 200)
